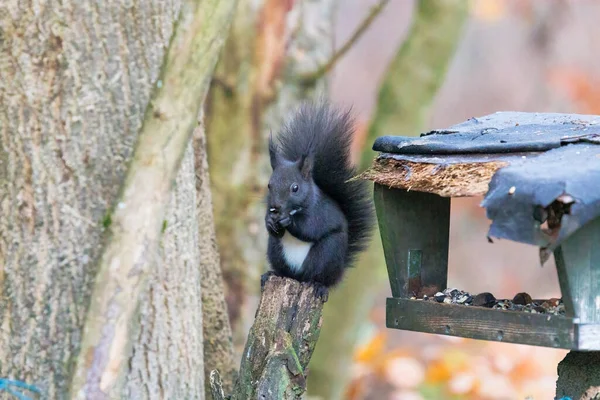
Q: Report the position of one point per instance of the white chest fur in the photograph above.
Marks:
(294, 250)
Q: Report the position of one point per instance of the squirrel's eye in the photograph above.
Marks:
(294, 188)
(269, 186)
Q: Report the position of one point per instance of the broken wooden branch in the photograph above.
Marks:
(281, 341)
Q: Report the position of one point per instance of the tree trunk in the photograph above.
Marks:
(578, 376)
(75, 84)
(272, 43)
(218, 343)
(170, 318)
(407, 91)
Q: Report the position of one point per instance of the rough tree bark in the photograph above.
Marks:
(578, 376)
(170, 321)
(271, 44)
(75, 84)
(406, 93)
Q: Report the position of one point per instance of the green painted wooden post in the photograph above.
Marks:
(415, 230)
(578, 267)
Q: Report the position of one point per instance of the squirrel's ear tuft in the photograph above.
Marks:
(273, 152)
(306, 166)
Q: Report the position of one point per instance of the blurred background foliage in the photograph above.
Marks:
(414, 66)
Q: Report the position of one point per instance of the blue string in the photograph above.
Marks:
(6, 384)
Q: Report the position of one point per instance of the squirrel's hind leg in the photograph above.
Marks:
(325, 262)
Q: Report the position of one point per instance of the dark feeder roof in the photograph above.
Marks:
(549, 171)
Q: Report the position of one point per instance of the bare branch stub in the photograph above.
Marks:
(281, 341)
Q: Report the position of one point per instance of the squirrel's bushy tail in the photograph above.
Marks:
(325, 133)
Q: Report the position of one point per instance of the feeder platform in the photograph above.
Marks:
(539, 175)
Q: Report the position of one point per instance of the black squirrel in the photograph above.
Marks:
(317, 220)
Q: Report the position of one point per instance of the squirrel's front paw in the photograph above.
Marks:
(274, 229)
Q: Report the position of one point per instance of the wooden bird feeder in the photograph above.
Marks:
(540, 178)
